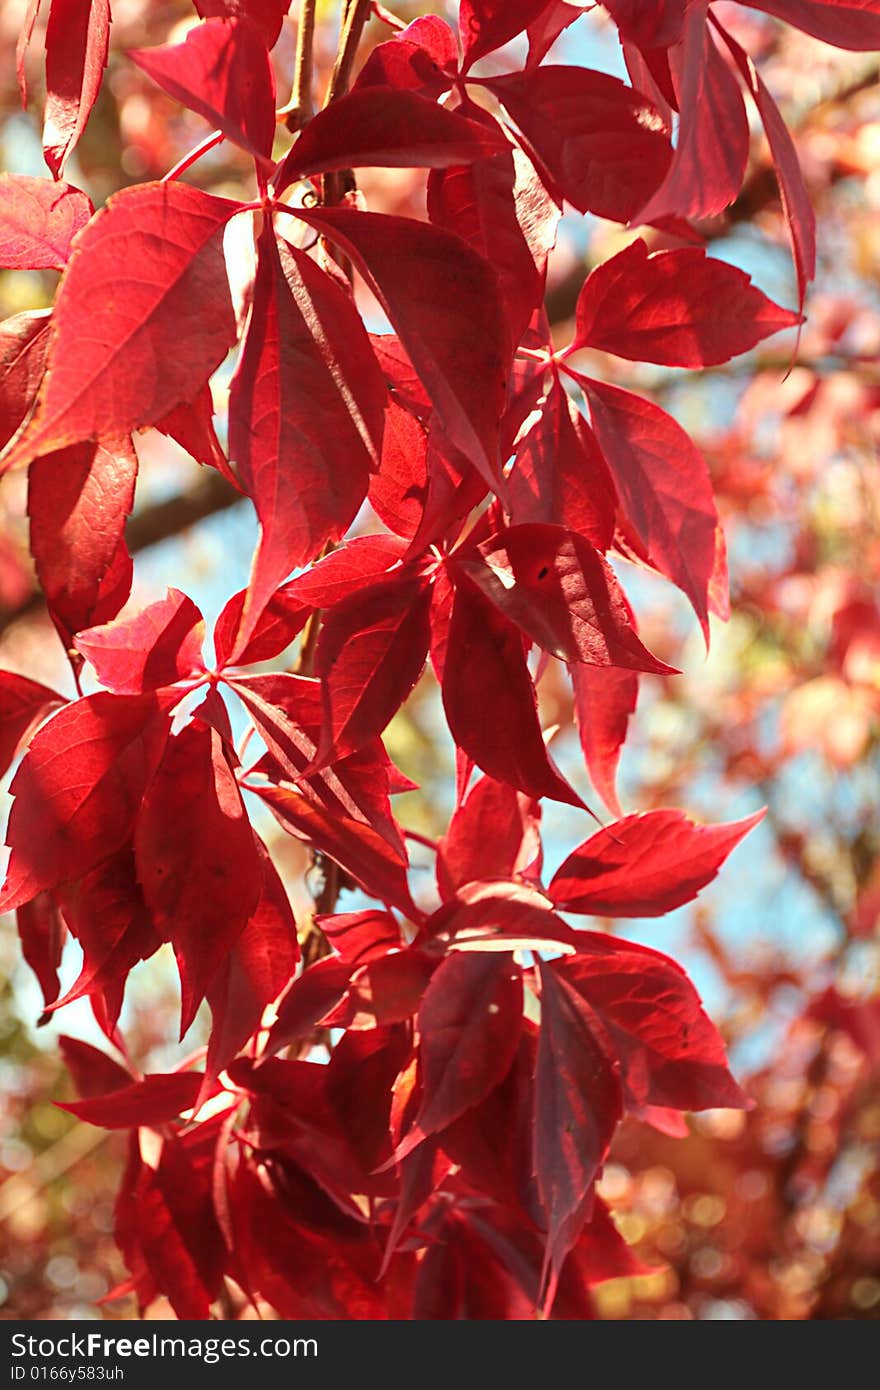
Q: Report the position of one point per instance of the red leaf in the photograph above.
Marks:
(710, 156)
(160, 645)
(604, 701)
(380, 127)
(545, 30)
(398, 491)
(152, 1101)
(578, 1103)
(222, 71)
(602, 146)
(670, 1053)
(197, 859)
(469, 1027)
(258, 968)
(355, 847)
(267, 15)
(192, 427)
(488, 24)
(24, 340)
(93, 1072)
(418, 58)
(359, 937)
(494, 834)
(664, 488)
(654, 25)
(851, 24)
(311, 995)
(383, 992)
(500, 916)
(79, 500)
(157, 248)
(485, 669)
(796, 203)
(562, 593)
(38, 221)
(676, 308)
(23, 704)
(351, 566)
(77, 37)
(645, 865)
(560, 476)
(370, 654)
(78, 790)
(434, 288)
(279, 623)
(306, 415)
(42, 934)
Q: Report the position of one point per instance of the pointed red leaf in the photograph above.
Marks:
(93, 1072)
(602, 146)
(578, 1103)
(664, 488)
(152, 1101)
(311, 995)
(267, 15)
(77, 38)
(192, 427)
(38, 221)
(359, 937)
(543, 32)
(654, 25)
(488, 24)
(306, 415)
(79, 789)
(494, 834)
(379, 127)
(158, 646)
(500, 916)
(604, 701)
(23, 704)
(42, 934)
(197, 859)
(645, 865)
(79, 500)
(383, 992)
(24, 341)
(351, 566)
(562, 593)
(222, 71)
(370, 654)
(670, 1053)
(418, 58)
(851, 24)
(157, 248)
(485, 669)
(434, 288)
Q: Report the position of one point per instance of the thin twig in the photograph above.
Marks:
(301, 106)
(356, 16)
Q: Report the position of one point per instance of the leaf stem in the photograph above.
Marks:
(215, 138)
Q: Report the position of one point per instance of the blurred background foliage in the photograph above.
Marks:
(773, 1214)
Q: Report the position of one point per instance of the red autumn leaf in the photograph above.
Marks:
(654, 25)
(267, 15)
(222, 71)
(578, 1103)
(42, 933)
(434, 288)
(77, 38)
(488, 24)
(370, 654)
(560, 475)
(197, 859)
(485, 669)
(664, 488)
(257, 969)
(601, 145)
(283, 618)
(23, 703)
(419, 58)
(645, 865)
(845, 23)
(495, 833)
(130, 370)
(93, 1072)
(381, 127)
(78, 790)
(677, 308)
(158, 646)
(383, 992)
(469, 1027)
(192, 427)
(500, 916)
(79, 500)
(562, 593)
(398, 490)
(710, 156)
(670, 1053)
(312, 995)
(38, 221)
(24, 340)
(306, 415)
(359, 937)
(351, 566)
(543, 32)
(152, 1101)
(604, 701)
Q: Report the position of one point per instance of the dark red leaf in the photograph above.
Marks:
(543, 32)
(23, 704)
(42, 934)
(152, 1101)
(494, 834)
(279, 623)
(312, 995)
(488, 24)
(604, 701)
(383, 992)
(24, 341)
(93, 1072)
(38, 221)
(157, 248)
(351, 566)
(158, 646)
(655, 24)
(500, 916)
(434, 288)
(845, 23)
(192, 427)
(359, 937)
(197, 859)
(267, 15)
(602, 146)
(306, 415)
(418, 58)
(222, 71)
(676, 308)
(645, 865)
(77, 37)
